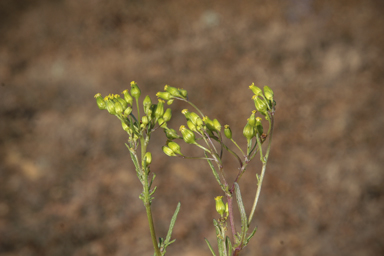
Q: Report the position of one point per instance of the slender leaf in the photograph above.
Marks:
(251, 235)
(229, 245)
(210, 247)
(172, 224)
(243, 215)
(136, 163)
(219, 237)
(213, 170)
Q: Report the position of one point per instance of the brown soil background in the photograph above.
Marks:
(67, 186)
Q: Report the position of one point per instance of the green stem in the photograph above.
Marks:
(147, 200)
(234, 142)
(265, 160)
(138, 112)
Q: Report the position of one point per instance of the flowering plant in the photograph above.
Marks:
(207, 135)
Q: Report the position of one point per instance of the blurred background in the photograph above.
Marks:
(67, 185)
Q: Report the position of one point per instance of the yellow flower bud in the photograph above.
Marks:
(125, 126)
(183, 92)
(209, 123)
(162, 123)
(159, 112)
(168, 151)
(260, 104)
(135, 91)
(127, 111)
(118, 108)
(100, 101)
(171, 134)
(111, 107)
(122, 102)
(217, 125)
(188, 136)
(144, 120)
(252, 118)
(191, 126)
(227, 131)
(164, 95)
(173, 91)
(220, 206)
(248, 131)
(148, 158)
(175, 147)
(268, 93)
(147, 103)
(167, 115)
(128, 98)
(256, 90)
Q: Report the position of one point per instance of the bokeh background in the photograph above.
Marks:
(67, 185)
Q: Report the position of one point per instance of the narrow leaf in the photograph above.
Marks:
(210, 247)
(172, 224)
(213, 170)
(229, 245)
(251, 235)
(243, 215)
(219, 237)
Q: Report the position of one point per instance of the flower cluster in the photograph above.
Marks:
(134, 125)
